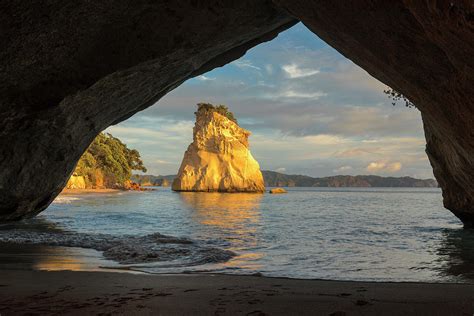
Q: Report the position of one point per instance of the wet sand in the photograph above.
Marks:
(91, 293)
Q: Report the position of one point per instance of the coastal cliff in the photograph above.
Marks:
(277, 179)
(76, 182)
(219, 158)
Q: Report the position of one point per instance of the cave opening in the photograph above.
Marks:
(304, 103)
(312, 112)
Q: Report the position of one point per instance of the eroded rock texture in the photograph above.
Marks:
(219, 158)
(424, 49)
(70, 69)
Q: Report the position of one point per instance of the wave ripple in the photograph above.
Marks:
(125, 249)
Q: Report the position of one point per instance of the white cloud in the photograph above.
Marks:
(324, 139)
(394, 167)
(269, 69)
(164, 162)
(281, 169)
(355, 152)
(342, 169)
(205, 78)
(245, 63)
(303, 95)
(377, 166)
(295, 71)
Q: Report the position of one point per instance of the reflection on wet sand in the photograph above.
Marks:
(41, 257)
(38, 257)
(238, 213)
(456, 254)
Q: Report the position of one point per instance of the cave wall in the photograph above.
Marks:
(423, 49)
(69, 70)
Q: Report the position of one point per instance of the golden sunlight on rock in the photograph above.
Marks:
(76, 182)
(218, 159)
(278, 191)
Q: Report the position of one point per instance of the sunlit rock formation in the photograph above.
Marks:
(76, 182)
(277, 191)
(219, 158)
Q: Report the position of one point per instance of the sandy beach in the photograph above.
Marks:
(103, 293)
(89, 191)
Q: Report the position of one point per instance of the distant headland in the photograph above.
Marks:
(277, 179)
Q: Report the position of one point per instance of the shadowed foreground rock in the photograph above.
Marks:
(70, 70)
(219, 158)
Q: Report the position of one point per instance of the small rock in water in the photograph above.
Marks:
(278, 190)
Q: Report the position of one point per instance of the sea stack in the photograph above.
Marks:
(218, 159)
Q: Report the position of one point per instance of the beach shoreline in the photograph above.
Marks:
(83, 293)
(89, 191)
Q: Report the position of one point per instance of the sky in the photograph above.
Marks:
(311, 111)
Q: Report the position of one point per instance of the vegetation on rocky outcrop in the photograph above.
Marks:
(108, 163)
(221, 109)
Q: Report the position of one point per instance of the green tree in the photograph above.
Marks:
(221, 109)
(108, 157)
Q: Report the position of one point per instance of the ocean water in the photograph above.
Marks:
(376, 234)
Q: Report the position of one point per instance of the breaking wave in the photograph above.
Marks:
(125, 249)
(65, 199)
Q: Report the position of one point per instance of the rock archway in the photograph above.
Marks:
(70, 71)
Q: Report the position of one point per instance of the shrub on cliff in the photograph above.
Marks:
(221, 109)
(108, 162)
(397, 96)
